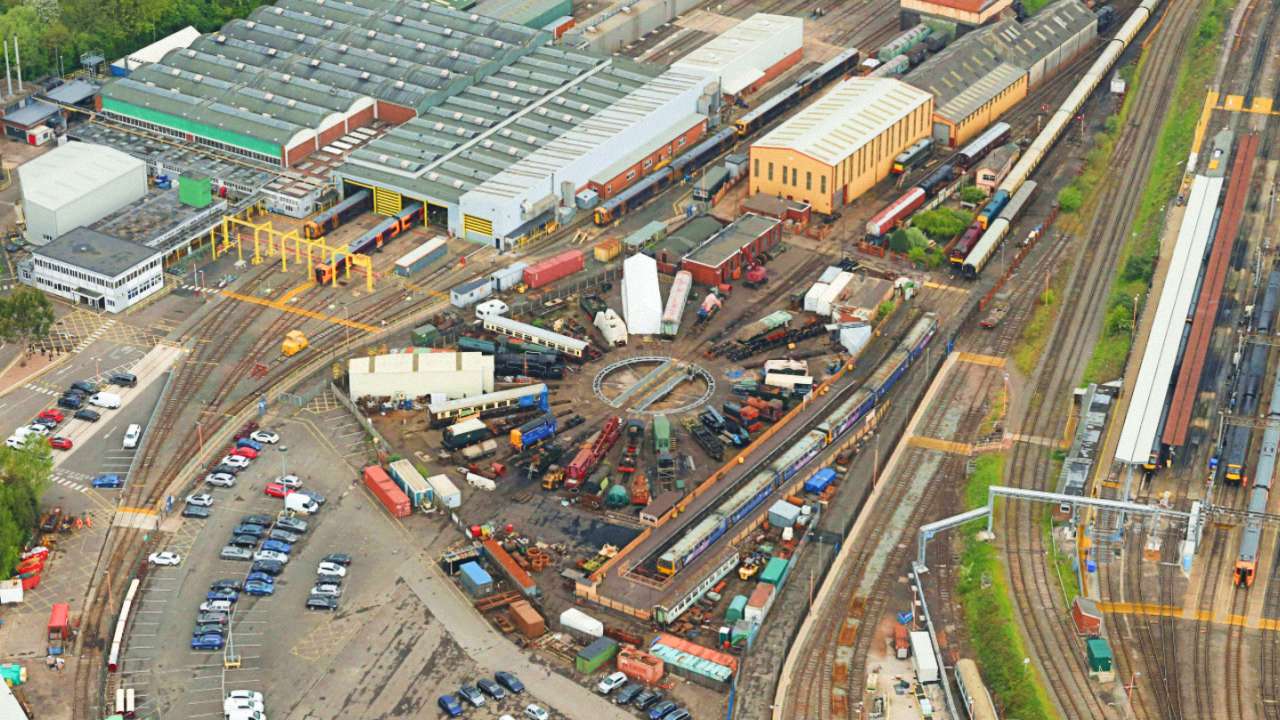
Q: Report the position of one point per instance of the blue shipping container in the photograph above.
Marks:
(475, 579)
(820, 481)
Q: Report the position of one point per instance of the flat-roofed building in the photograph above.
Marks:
(92, 268)
(412, 375)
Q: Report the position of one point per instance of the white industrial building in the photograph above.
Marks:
(95, 269)
(75, 185)
(749, 54)
(641, 297)
(439, 375)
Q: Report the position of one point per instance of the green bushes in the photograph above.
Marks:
(942, 224)
(1070, 198)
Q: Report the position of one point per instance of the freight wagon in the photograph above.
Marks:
(897, 211)
(386, 491)
(676, 301)
(422, 257)
(467, 432)
(411, 482)
(545, 272)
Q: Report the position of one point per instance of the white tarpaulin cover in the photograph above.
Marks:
(641, 298)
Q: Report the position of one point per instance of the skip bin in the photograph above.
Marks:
(595, 655)
(424, 335)
(774, 571)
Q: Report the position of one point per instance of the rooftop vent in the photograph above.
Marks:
(373, 33)
(421, 46)
(497, 43)
(457, 116)
(291, 102)
(328, 23)
(404, 164)
(493, 94)
(175, 72)
(271, 52)
(301, 36)
(457, 183)
(220, 39)
(586, 107)
(475, 18)
(268, 97)
(286, 77)
(488, 143)
(315, 62)
(342, 48)
(279, 10)
(439, 126)
(444, 73)
(399, 84)
(198, 78)
(393, 60)
(191, 53)
(364, 76)
(447, 32)
(251, 24)
(454, 54)
(239, 66)
(434, 176)
(383, 158)
(398, 19)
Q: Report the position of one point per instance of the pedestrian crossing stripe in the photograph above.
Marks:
(73, 485)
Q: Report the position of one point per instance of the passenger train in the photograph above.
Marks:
(1251, 374)
(1263, 476)
(973, 692)
(800, 451)
(392, 227)
(326, 221)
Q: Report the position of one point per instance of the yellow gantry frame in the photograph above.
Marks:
(276, 242)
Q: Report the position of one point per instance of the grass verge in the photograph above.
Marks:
(1138, 257)
(989, 614)
(1035, 335)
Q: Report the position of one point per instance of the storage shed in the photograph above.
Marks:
(592, 657)
(842, 144)
(580, 624)
(412, 375)
(527, 619)
(76, 185)
(1101, 659)
(1086, 616)
(474, 578)
(641, 297)
(725, 256)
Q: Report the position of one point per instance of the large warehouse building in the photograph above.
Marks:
(749, 54)
(967, 13)
(75, 185)
(448, 375)
(983, 74)
(841, 145)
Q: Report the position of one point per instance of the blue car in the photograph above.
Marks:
(450, 705)
(260, 577)
(258, 587)
(209, 641)
(222, 594)
(108, 481)
(279, 546)
(246, 442)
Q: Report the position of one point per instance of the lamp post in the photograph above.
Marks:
(284, 451)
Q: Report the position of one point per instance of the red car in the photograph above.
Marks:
(246, 452)
(60, 443)
(276, 490)
(52, 414)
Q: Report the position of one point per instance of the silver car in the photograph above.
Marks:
(328, 589)
(231, 552)
(283, 536)
(271, 555)
(220, 479)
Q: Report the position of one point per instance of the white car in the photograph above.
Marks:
(220, 479)
(231, 706)
(327, 589)
(131, 436)
(235, 461)
(15, 442)
(289, 481)
(200, 500)
(535, 712)
(328, 568)
(164, 558)
(611, 683)
(215, 606)
(110, 401)
(250, 695)
(243, 714)
(271, 555)
(40, 430)
(264, 436)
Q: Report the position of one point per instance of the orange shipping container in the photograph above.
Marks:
(527, 619)
(608, 249)
(513, 572)
(640, 666)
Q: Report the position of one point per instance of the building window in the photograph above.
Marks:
(822, 184)
(808, 180)
(784, 174)
(757, 171)
(648, 163)
(680, 141)
(631, 175)
(770, 171)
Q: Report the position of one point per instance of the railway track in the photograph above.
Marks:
(1269, 647)
(1059, 655)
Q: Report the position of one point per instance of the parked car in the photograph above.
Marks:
(201, 499)
(289, 481)
(509, 681)
(271, 555)
(659, 711)
(263, 520)
(679, 714)
(71, 402)
(232, 552)
(283, 535)
(236, 461)
(123, 379)
(275, 490)
(85, 386)
(244, 452)
(321, 602)
(228, 595)
(108, 482)
(472, 694)
(32, 429)
(277, 546)
(87, 415)
(248, 529)
(259, 576)
(647, 698)
(611, 682)
(292, 524)
(131, 436)
(109, 401)
(316, 497)
(245, 541)
(225, 469)
(328, 590)
(323, 578)
(627, 693)
(53, 414)
(215, 606)
(448, 703)
(329, 568)
(198, 512)
(246, 442)
(251, 695)
(270, 567)
(214, 618)
(264, 436)
(45, 422)
(206, 629)
(491, 688)
(259, 588)
(342, 559)
(210, 641)
(218, 479)
(60, 443)
(164, 558)
(231, 583)
(533, 711)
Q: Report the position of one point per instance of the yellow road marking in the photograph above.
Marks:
(289, 295)
(140, 511)
(976, 359)
(299, 311)
(947, 446)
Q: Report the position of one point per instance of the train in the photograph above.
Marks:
(1233, 461)
(394, 226)
(973, 692)
(535, 431)
(534, 365)
(912, 157)
(964, 246)
(526, 397)
(326, 221)
(994, 206)
(896, 212)
(1054, 127)
(978, 148)
(467, 343)
(1250, 539)
(800, 451)
(1010, 210)
(834, 69)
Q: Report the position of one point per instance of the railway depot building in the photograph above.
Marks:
(983, 74)
(750, 54)
(841, 145)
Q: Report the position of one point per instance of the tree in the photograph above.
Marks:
(26, 315)
(1070, 199)
(24, 475)
(916, 255)
(972, 194)
(916, 238)
(941, 224)
(883, 310)
(899, 242)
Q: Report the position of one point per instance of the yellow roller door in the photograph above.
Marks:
(480, 226)
(386, 202)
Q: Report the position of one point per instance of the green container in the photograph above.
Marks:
(424, 335)
(1100, 657)
(736, 608)
(661, 434)
(195, 191)
(593, 656)
(774, 571)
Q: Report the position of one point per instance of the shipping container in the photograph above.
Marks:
(503, 560)
(581, 625)
(425, 335)
(661, 434)
(677, 299)
(469, 293)
(922, 657)
(594, 656)
(446, 493)
(383, 488)
(814, 296)
(476, 581)
(820, 481)
(508, 277)
(527, 620)
(1101, 658)
(607, 250)
(710, 183)
(554, 268)
(783, 514)
(901, 642)
(737, 606)
(422, 257)
(775, 571)
(410, 481)
(640, 666)
(833, 294)
(759, 603)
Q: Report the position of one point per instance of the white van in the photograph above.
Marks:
(132, 435)
(300, 503)
(107, 400)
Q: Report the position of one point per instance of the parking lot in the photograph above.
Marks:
(381, 654)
